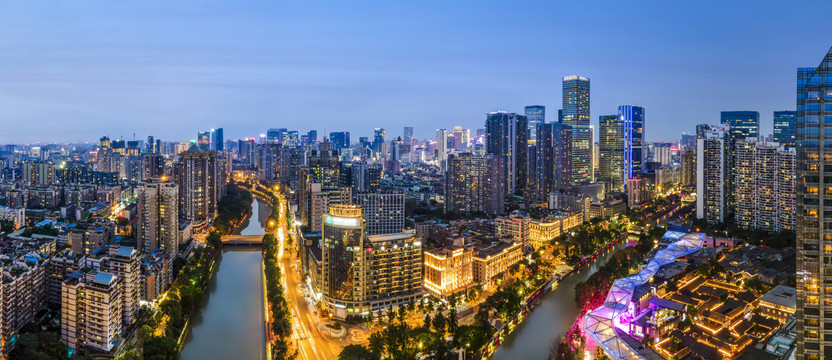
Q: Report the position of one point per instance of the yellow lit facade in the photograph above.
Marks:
(543, 231)
(494, 260)
(448, 270)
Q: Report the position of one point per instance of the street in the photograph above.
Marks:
(311, 344)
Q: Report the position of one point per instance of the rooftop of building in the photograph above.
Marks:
(781, 295)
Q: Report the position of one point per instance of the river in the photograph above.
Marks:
(231, 324)
(550, 319)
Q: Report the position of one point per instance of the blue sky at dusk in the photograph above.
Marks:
(76, 70)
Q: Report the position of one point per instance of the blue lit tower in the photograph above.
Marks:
(217, 139)
(632, 118)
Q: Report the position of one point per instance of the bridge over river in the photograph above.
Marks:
(242, 240)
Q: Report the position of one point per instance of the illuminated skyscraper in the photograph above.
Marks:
(712, 198)
(474, 183)
(743, 123)
(553, 159)
(785, 128)
(632, 118)
(217, 141)
(203, 139)
(814, 274)
(611, 152)
(765, 186)
(576, 115)
(339, 140)
(536, 114)
(408, 135)
(199, 178)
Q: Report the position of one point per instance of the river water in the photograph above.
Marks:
(231, 324)
(550, 319)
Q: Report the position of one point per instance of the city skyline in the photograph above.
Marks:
(171, 70)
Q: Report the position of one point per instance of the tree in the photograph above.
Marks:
(439, 323)
(130, 355)
(356, 352)
(470, 337)
(426, 325)
(376, 345)
(159, 348)
(453, 322)
(38, 346)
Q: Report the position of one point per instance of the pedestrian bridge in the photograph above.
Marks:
(242, 240)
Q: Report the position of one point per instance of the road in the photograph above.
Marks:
(311, 344)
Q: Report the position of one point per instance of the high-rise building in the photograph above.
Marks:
(158, 217)
(687, 176)
(611, 152)
(339, 140)
(506, 136)
(785, 128)
(383, 213)
(743, 123)
(324, 165)
(408, 135)
(91, 311)
(38, 173)
(200, 183)
(312, 137)
(553, 159)
(217, 139)
(203, 139)
(441, 145)
(153, 166)
(688, 141)
(636, 192)
(632, 118)
(536, 114)
(361, 275)
(765, 186)
(712, 176)
(270, 161)
(576, 115)
(275, 136)
(314, 201)
(344, 276)
(662, 153)
(475, 183)
(814, 337)
(701, 129)
(361, 177)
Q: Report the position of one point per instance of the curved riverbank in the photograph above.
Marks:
(553, 314)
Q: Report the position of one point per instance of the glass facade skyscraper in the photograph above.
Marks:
(339, 140)
(743, 123)
(217, 139)
(632, 119)
(814, 204)
(785, 128)
(576, 115)
(536, 114)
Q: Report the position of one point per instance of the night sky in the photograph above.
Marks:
(76, 70)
